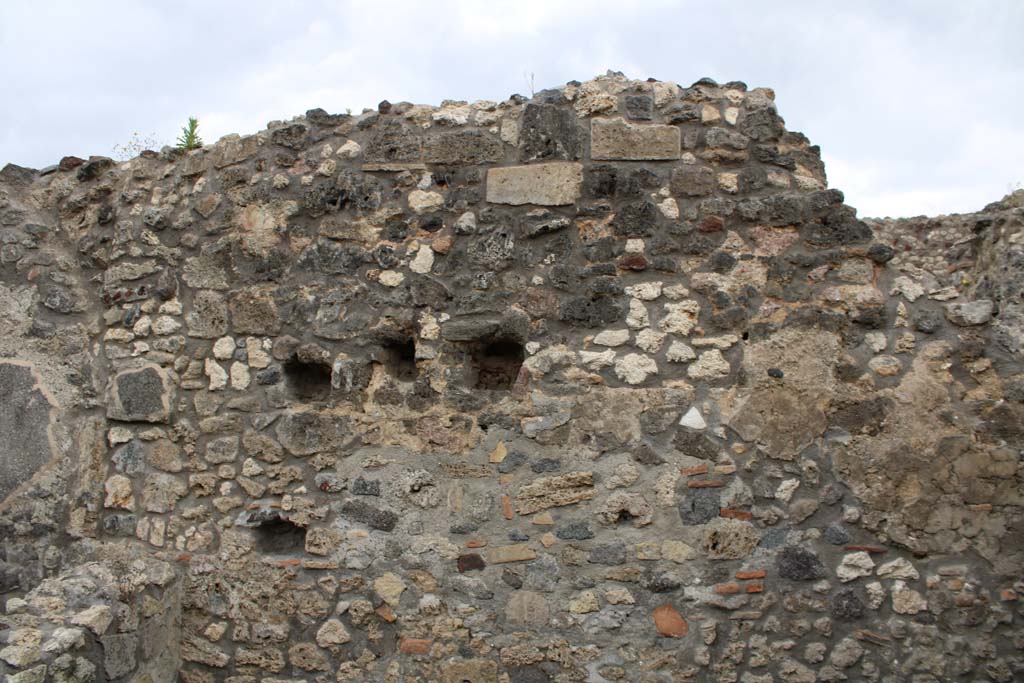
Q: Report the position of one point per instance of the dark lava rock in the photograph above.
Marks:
(836, 534)
(699, 506)
(373, 517)
(798, 564)
(470, 562)
(574, 530)
(608, 553)
(846, 605)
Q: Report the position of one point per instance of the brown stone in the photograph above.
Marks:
(669, 622)
(470, 562)
(415, 646)
(548, 492)
(519, 552)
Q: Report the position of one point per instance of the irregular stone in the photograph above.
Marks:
(549, 132)
(519, 552)
(389, 587)
(854, 566)
(527, 607)
(906, 600)
(970, 313)
(584, 603)
(898, 569)
(711, 365)
(798, 564)
(729, 539)
(26, 441)
(669, 622)
(140, 395)
(555, 491)
(635, 368)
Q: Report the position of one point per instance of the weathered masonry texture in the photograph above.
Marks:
(605, 385)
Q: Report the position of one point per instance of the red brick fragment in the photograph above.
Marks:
(705, 484)
(751, 574)
(731, 513)
(691, 471)
(670, 622)
(506, 507)
(865, 548)
(415, 646)
(755, 587)
(731, 588)
(386, 613)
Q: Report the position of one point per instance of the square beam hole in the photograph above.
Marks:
(496, 363)
(399, 359)
(307, 381)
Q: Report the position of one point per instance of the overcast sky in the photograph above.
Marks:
(918, 106)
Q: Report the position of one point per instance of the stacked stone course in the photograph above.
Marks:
(603, 385)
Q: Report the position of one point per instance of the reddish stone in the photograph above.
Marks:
(711, 224)
(751, 574)
(755, 587)
(865, 548)
(443, 244)
(386, 613)
(415, 646)
(706, 484)
(691, 471)
(506, 507)
(730, 513)
(476, 543)
(470, 562)
(670, 622)
(633, 262)
(68, 163)
(727, 588)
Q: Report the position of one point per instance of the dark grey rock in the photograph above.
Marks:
(846, 605)
(130, 458)
(608, 553)
(798, 564)
(574, 530)
(549, 132)
(639, 107)
(836, 534)
(699, 506)
(26, 444)
(119, 653)
(140, 395)
(365, 487)
(373, 517)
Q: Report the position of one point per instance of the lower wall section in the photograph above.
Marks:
(115, 620)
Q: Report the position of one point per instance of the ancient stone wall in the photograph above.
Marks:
(604, 385)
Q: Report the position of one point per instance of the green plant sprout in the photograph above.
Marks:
(189, 138)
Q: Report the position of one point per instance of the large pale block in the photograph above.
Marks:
(551, 184)
(619, 140)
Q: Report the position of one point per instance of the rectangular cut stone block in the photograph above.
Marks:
(618, 140)
(551, 184)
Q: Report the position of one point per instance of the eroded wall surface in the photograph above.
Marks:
(604, 385)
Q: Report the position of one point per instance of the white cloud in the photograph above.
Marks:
(914, 104)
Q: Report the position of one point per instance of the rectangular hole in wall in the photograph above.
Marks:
(496, 363)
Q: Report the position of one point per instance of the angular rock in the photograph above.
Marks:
(556, 491)
(140, 395)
